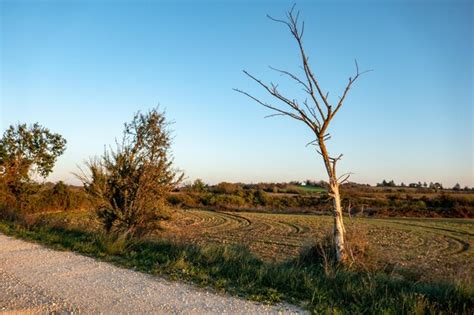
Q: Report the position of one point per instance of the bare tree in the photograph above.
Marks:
(316, 112)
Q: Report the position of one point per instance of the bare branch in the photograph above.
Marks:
(268, 106)
(273, 115)
(336, 159)
(313, 114)
(294, 77)
(348, 87)
(292, 8)
(280, 21)
(292, 24)
(273, 90)
(313, 142)
(345, 176)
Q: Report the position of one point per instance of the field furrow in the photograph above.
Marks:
(444, 247)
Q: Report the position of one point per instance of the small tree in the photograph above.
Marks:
(198, 185)
(26, 150)
(128, 185)
(316, 112)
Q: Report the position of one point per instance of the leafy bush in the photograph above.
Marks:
(183, 199)
(226, 188)
(129, 186)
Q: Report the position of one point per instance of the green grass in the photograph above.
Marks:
(235, 270)
(308, 188)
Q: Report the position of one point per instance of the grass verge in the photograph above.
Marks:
(235, 270)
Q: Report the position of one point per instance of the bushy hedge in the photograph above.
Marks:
(391, 204)
(36, 198)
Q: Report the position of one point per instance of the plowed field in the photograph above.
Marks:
(437, 249)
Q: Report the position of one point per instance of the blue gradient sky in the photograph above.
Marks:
(82, 68)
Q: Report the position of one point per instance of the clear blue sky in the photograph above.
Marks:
(82, 68)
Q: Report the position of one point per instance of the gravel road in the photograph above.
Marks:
(35, 279)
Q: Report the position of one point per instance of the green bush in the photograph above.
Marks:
(129, 186)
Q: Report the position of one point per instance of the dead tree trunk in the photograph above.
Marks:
(339, 231)
(338, 227)
(316, 112)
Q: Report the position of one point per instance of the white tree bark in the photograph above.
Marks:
(338, 229)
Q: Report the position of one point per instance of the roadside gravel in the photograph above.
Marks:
(35, 279)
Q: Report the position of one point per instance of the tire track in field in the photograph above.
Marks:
(296, 229)
(280, 236)
(229, 224)
(462, 246)
(432, 227)
(270, 233)
(273, 231)
(217, 227)
(241, 218)
(197, 219)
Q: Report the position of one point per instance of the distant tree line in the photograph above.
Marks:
(431, 185)
(357, 199)
(283, 187)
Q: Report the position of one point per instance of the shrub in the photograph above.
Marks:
(129, 185)
(226, 188)
(322, 253)
(182, 199)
